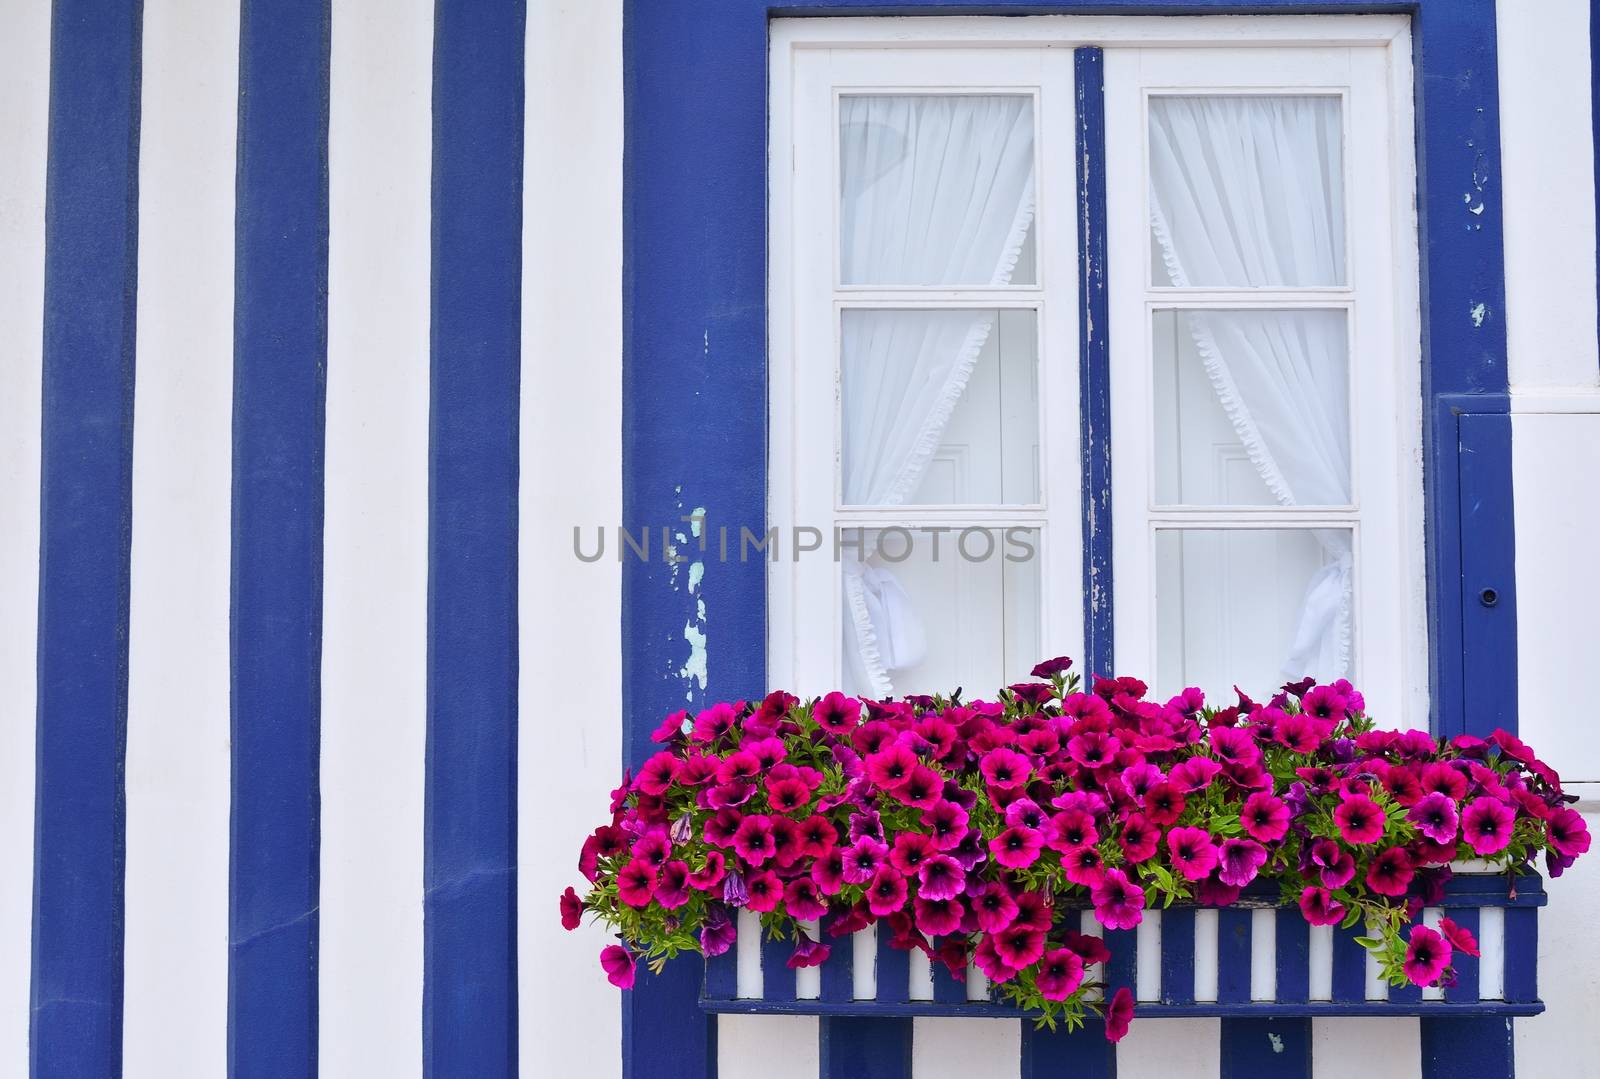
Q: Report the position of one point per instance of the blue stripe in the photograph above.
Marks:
(894, 970)
(1233, 955)
(1292, 957)
(1349, 965)
(722, 976)
(1122, 969)
(947, 988)
(838, 973)
(777, 980)
(1522, 955)
(1467, 1049)
(280, 358)
(1094, 364)
(875, 1048)
(1253, 1048)
(1177, 955)
(90, 275)
(469, 1008)
(1466, 988)
(1055, 1054)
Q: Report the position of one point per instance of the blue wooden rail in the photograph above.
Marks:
(1308, 972)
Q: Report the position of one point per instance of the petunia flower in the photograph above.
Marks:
(1119, 1014)
(1019, 945)
(1071, 829)
(863, 859)
(1360, 820)
(709, 876)
(786, 842)
(734, 891)
(1139, 778)
(1083, 866)
(1265, 817)
(1335, 864)
(922, 788)
(1192, 851)
(937, 917)
(1460, 937)
(788, 795)
(947, 823)
(765, 890)
(807, 952)
(817, 836)
(1320, 908)
(1092, 749)
(657, 773)
(753, 839)
(718, 932)
(941, 877)
(1567, 832)
(992, 905)
(1016, 848)
(1211, 892)
(802, 900)
(1390, 872)
(720, 828)
(987, 958)
(1427, 956)
(1060, 973)
(1435, 817)
(1231, 745)
(970, 851)
(618, 963)
(1118, 902)
(837, 713)
(636, 883)
(1297, 733)
(1051, 667)
(891, 766)
(828, 872)
(653, 847)
(1139, 838)
(886, 892)
(1444, 778)
(1194, 774)
(672, 885)
(1164, 803)
(571, 910)
(1025, 813)
(1090, 949)
(1241, 860)
(1004, 768)
(1486, 825)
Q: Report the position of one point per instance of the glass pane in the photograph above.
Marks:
(936, 190)
(1252, 608)
(1246, 191)
(1252, 408)
(939, 407)
(927, 611)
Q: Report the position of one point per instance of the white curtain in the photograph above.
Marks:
(1248, 192)
(936, 190)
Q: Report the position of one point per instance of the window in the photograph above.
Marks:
(1264, 362)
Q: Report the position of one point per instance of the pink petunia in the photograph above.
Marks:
(1460, 937)
(718, 933)
(1567, 832)
(1390, 872)
(1442, 777)
(753, 840)
(1164, 803)
(1486, 825)
(1019, 945)
(1118, 902)
(1194, 774)
(765, 891)
(922, 788)
(1016, 848)
(1119, 1014)
(657, 773)
(837, 713)
(828, 872)
(1193, 854)
(788, 795)
(946, 822)
(987, 959)
(1093, 749)
(817, 836)
(1083, 866)
(672, 885)
(937, 917)
(1140, 838)
(1234, 746)
(802, 900)
(709, 876)
(636, 883)
(1427, 956)
(1435, 817)
(1071, 829)
(1320, 908)
(571, 910)
(1360, 820)
(807, 953)
(863, 859)
(1240, 861)
(1060, 973)
(941, 877)
(993, 906)
(886, 892)
(891, 766)
(1005, 769)
(618, 963)
(909, 851)
(1336, 866)
(1265, 817)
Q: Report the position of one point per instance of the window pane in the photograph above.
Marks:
(1246, 191)
(936, 190)
(927, 612)
(1252, 408)
(939, 407)
(1252, 608)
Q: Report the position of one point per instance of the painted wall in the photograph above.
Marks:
(375, 542)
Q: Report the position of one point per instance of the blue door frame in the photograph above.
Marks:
(695, 391)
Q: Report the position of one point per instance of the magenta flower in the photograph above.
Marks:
(1016, 848)
(1025, 813)
(636, 883)
(618, 963)
(1118, 902)
(1092, 749)
(1139, 778)
(1487, 824)
(672, 885)
(1435, 817)
(741, 766)
(1441, 777)
(937, 917)
(734, 892)
(1019, 945)
(1139, 838)
(922, 787)
(657, 774)
(1194, 774)
(1231, 745)
(1164, 803)
(786, 845)
(828, 872)
(993, 906)
(1192, 851)
(1320, 908)
(863, 859)
(1460, 937)
(1567, 832)
(721, 827)
(1265, 817)
(802, 900)
(837, 713)
(1005, 769)
(1071, 829)
(788, 795)
(1051, 667)
(1427, 956)
(807, 952)
(753, 839)
(1360, 820)
(1337, 866)
(910, 850)
(1119, 1014)
(571, 910)
(717, 932)
(1241, 860)
(1060, 973)
(946, 823)
(817, 836)
(708, 877)
(891, 766)
(653, 847)
(1390, 872)
(1083, 866)
(886, 893)
(987, 958)
(1297, 733)
(765, 890)
(941, 877)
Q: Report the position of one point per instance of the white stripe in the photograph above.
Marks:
(808, 980)
(749, 980)
(375, 560)
(1377, 988)
(176, 941)
(24, 87)
(1206, 960)
(1319, 961)
(1089, 926)
(920, 972)
(864, 963)
(569, 612)
(1147, 974)
(1264, 954)
(1492, 953)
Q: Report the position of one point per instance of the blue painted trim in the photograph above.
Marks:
(1094, 365)
(1292, 957)
(875, 1048)
(838, 973)
(1177, 955)
(1349, 966)
(1055, 1054)
(1252, 1048)
(1465, 991)
(1468, 1048)
(777, 980)
(85, 518)
(280, 359)
(1522, 955)
(1233, 954)
(947, 988)
(1150, 1010)
(722, 976)
(894, 971)
(469, 1007)
(1122, 969)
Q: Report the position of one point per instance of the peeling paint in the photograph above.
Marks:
(1276, 1040)
(1479, 313)
(694, 668)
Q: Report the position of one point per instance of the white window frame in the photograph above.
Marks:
(816, 59)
